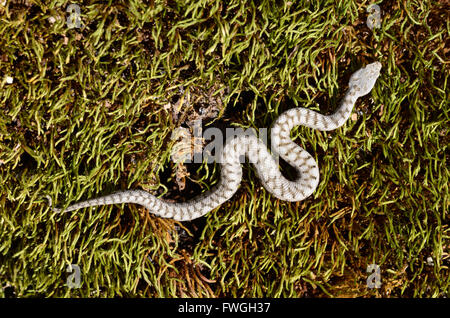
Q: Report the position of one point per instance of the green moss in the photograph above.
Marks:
(91, 111)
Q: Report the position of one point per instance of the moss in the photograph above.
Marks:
(91, 110)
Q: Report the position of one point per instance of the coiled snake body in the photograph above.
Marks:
(361, 83)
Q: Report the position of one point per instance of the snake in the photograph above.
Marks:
(266, 165)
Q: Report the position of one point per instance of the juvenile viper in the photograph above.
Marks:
(360, 84)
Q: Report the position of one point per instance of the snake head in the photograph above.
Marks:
(363, 80)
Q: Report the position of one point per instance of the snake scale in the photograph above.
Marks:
(361, 83)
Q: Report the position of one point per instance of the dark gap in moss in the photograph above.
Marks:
(10, 292)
